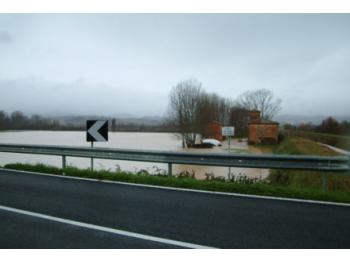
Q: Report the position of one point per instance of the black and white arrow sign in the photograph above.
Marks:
(96, 130)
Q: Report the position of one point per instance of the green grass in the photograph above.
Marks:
(338, 141)
(260, 188)
(303, 146)
(337, 181)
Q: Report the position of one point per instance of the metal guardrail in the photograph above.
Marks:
(295, 162)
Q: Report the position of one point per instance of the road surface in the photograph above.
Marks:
(40, 211)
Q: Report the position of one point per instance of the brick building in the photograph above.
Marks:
(261, 130)
(213, 130)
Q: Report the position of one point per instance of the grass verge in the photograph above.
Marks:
(337, 181)
(339, 141)
(260, 188)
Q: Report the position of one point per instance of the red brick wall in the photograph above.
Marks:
(263, 133)
(213, 130)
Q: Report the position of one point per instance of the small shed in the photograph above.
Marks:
(261, 130)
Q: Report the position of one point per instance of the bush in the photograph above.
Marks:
(186, 175)
(281, 137)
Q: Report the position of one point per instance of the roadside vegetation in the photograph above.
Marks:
(337, 181)
(239, 185)
(339, 141)
(330, 131)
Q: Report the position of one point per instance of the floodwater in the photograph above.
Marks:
(125, 140)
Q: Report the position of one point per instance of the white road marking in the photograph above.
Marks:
(185, 190)
(105, 229)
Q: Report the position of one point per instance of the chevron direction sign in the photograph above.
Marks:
(96, 130)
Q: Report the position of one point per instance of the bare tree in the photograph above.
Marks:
(4, 120)
(239, 119)
(214, 108)
(225, 107)
(184, 109)
(19, 120)
(330, 125)
(262, 100)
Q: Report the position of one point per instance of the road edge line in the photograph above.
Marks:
(105, 229)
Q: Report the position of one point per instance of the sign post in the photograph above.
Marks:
(92, 160)
(96, 130)
(228, 132)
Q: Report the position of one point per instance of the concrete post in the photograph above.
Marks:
(170, 170)
(325, 182)
(63, 162)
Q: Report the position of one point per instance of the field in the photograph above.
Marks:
(307, 179)
(342, 142)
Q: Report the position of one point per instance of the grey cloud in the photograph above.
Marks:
(129, 62)
(6, 37)
(81, 96)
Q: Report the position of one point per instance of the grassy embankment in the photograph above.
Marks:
(311, 179)
(339, 141)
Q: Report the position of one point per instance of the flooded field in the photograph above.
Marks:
(125, 140)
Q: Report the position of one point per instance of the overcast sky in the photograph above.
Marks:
(112, 64)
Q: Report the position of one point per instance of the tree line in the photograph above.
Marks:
(191, 109)
(329, 125)
(18, 120)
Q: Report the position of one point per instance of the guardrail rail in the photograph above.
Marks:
(296, 162)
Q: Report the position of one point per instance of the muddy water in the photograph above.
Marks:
(128, 140)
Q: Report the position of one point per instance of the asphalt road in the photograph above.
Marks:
(173, 217)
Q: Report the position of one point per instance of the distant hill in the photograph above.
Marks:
(80, 120)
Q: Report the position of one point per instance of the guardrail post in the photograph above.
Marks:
(170, 169)
(324, 182)
(63, 161)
